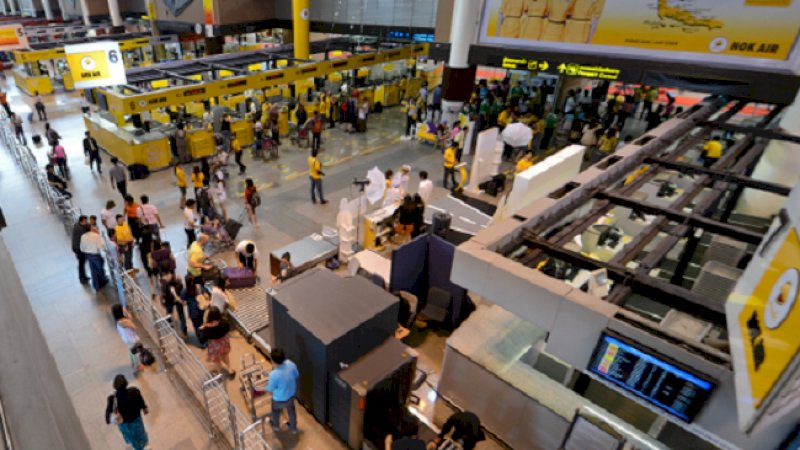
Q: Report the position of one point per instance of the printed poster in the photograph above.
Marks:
(764, 29)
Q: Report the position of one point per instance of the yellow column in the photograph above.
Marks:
(300, 21)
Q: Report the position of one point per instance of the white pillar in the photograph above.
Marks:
(63, 10)
(48, 12)
(462, 32)
(113, 11)
(85, 13)
(12, 5)
(3, 8)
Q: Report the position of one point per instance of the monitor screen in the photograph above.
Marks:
(650, 376)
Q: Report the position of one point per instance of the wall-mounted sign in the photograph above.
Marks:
(525, 64)
(96, 64)
(717, 30)
(12, 37)
(763, 317)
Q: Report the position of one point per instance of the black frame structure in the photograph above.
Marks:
(722, 184)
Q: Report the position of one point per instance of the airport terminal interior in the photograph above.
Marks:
(399, 224)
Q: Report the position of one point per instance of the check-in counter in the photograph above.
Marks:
(311, 108)
(243, 129)
(66, 79)
(31, 84)
(151, 149)
(388, 94)
(200, 142)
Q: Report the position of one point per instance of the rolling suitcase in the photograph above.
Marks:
(239, 277)
(232, 227)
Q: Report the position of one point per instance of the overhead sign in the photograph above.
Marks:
(763, 318)
(12, 37)
(580, 70)
(720, 29)
(525, 64)
(96, 64)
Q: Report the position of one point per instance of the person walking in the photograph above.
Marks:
(149, 218)
(61, 159)
(107, 215)
(19, 132)
(316, 131)
(461, 140)
(127, 332)
(189, 222)
(125, 239)
(181, 145)
(189, 296)
(315, 175)
(92, 151)
(198, 180)
(91, 246)
(38, 103)
(171, 288)
(252, 200)
(132, 215)
(283, 386)
(411, 115)
(51, 135)
(78, 229)
(236, 147)
(180, 177)
(425, 186)
(550, 123)
(124, 408)
(450, 166)
(4, 103)
(118, 177)
(215, 330)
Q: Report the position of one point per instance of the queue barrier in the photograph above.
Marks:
(208, 392)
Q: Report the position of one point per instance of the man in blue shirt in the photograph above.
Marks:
(283, 386)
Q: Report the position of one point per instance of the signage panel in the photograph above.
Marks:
(12, 37)
(96, 64)
(717, 29)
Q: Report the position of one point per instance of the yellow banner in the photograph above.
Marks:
(751, 28)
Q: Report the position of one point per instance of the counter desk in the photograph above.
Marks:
(31, 84)
(129, 144)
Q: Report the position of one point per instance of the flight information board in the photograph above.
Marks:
(650, 376)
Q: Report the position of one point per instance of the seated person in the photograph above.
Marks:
(57, 182)
(286, 269)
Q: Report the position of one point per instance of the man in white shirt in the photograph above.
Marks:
(92, 246)
(189, 223)
(247, 253)
(425, 186)
(148, 215)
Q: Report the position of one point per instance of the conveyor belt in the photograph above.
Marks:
(252, 313)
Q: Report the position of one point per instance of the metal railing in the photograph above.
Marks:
(224, 419)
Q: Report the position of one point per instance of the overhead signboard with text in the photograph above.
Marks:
(96, 64)
(722, 31)
(12, 37)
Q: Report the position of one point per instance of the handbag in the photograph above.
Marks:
(116, 417)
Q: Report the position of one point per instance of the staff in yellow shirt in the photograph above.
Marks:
(450, 165)
(124, 237)
(236, 147)
(180, 176)
(712, 151)
(197, 179)
(315, 174)
(524, 163)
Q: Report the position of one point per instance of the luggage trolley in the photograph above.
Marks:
(253, 379)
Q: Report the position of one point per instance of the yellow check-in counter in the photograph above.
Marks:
(311, 108)
(32, 84)
(195, 108)
(200, 142)
(150, 149)
(243, 129)
(388, 94)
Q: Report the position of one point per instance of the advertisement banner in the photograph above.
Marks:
(763, 317)
(765, 29)
(96, 64)
(12, 37)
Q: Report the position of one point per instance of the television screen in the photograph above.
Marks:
(650, 376)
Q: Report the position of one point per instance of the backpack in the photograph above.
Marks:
(255, 199)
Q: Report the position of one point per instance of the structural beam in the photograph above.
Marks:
(691, 219)
(755, 131)
(722, 175)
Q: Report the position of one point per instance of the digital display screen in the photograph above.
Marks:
(651, 377)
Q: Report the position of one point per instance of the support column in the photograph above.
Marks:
(48, 12)
(113, 11)
(458, 78)
(12, 7)
(3, 8)
(300, 27)
(85, 12)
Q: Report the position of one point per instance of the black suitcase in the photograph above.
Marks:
(232, 227)
(138, 171)
(37, 139)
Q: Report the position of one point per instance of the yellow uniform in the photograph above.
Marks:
(450, 158)
(314, 168)
(197, 180)
(180, 175)
(503, 117)
(123, 233)
(713, 149)
(236, 146)
(523, 165)
(195, 255)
